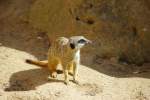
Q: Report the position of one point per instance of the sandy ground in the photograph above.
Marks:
(21, 81)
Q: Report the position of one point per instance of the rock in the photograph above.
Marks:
(119, 26)
(114, 59)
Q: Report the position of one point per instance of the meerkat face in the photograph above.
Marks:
(77, 42)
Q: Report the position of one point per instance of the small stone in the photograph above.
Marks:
(57, 93)
(114, 59)
(144, 29)
(40, 38)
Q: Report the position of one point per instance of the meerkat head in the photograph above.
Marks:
(77, 42)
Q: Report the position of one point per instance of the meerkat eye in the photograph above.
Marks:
(82, 41)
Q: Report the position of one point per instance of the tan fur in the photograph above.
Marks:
(58, 53)
(39, 63)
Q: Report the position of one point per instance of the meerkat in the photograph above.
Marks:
(64, 51)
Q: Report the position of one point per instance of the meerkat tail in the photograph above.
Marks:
(39, 63)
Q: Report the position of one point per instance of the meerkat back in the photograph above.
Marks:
(59, 48)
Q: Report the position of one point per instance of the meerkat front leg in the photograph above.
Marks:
(66, 73)
(71, 68)
(66, 77)
(75, 72)
(76, 63)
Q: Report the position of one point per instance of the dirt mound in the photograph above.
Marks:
(20, 80)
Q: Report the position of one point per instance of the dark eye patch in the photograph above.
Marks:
(72, 45)
(82, 41)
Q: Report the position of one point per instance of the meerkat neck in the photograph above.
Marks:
(77, 55)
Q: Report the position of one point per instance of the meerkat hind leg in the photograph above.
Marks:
(52, 65)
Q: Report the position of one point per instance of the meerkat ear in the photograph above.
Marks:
(62, 40)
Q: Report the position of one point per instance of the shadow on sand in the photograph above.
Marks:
(29, 79)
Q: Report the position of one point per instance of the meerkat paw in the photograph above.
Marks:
(71, 73)
(66, 82)
(75, 81)
(54, 75)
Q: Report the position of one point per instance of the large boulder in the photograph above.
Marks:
(118, 28)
